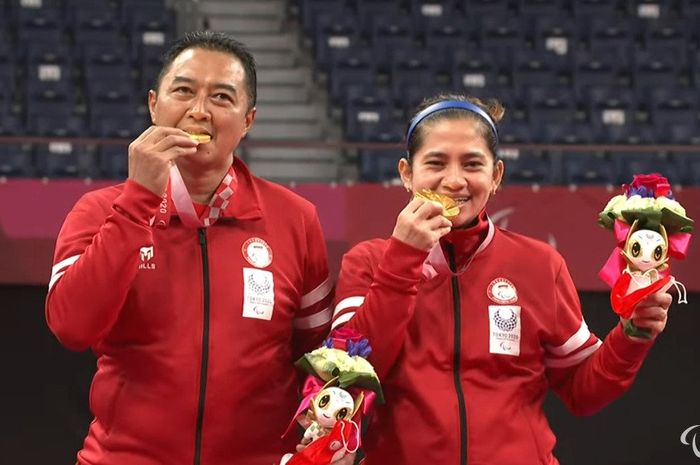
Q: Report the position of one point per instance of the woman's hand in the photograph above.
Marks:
(421, 224)
(651, 314)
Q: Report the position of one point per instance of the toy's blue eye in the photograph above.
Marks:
(636, 249)
(658, 252)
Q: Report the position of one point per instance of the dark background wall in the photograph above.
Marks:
(44, 392)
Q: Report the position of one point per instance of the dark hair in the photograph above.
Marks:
(492, 107)
(218, 42)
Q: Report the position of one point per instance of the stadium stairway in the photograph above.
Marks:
(291, 106)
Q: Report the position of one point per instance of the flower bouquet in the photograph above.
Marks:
(340, 389)
(650, 227)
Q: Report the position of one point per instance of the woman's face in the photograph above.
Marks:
(454, 160)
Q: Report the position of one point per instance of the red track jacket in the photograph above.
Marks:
(465, 361)
(195, 330)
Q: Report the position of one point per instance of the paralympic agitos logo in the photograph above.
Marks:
(691, 437)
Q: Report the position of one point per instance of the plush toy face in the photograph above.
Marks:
(332, 404)
(646, 249)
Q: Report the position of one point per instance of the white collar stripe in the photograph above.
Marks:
(318, 294)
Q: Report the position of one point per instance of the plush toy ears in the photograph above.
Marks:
(358, 403)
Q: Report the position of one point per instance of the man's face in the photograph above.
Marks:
(204, 92)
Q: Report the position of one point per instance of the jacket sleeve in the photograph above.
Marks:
(313, 318)
(376, 296)
(95, 262)
(588, 374)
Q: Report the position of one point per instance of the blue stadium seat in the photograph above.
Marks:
(371, 12)
(532, 9)
(669, 106)
(378, 165)
(610, 107)
(15, 161)
(428, 14)
(58, 102)
(667, 37)
(630, 164)
(411, 69)
(682, 133)
(499, 32)
(311, 9)
(602, 68)
(503, 8)
(58, 159)
(532, 68)
(529, 168)
(390, 34)
(443, 38)
(609, 32)
(58, 126)
(566, 133)
(651, 10)
(551, 104)
(335, 35)
(583, 9)
(473, 70)
(588, 168)
(355, 66)
(114, 161)
(652, 70)
(59, 53)
(556, 33)
(118, 126)
(366, 119)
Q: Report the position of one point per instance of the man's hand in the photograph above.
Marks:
(651, 314)
(152, 154)
(421, 224)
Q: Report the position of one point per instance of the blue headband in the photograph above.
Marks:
(447, 105)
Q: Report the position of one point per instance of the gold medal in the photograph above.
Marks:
(201, 138)
(450, 209)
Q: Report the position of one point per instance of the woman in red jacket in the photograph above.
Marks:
(470, 324)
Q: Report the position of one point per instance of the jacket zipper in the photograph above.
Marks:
(205, 348)
(456, 360)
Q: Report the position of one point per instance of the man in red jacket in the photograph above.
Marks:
(195, 283)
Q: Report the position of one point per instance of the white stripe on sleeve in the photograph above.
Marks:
(317, 294)
(60, 268)
(577, 340)
(573, 359)
(348, 302)
(64, 263)
(342, 319)
(315, 320)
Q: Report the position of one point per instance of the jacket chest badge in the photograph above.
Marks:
(258, 294)
(147, 256)
(504, 329)
(502, 291)
(257, 252)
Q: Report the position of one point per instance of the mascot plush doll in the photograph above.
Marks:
(650, 227)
